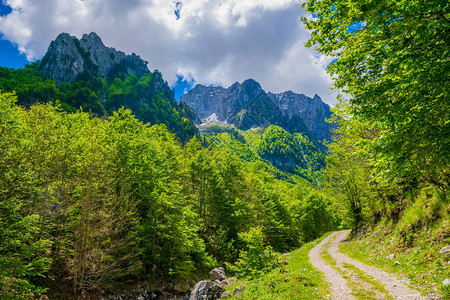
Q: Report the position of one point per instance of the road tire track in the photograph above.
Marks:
(338, 285)
(397, 288)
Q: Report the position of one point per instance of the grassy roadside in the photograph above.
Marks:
(420, 261)
(298, 279)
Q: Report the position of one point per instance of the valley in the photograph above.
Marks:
(110, 188)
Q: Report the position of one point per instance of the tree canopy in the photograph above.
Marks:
(392, 59)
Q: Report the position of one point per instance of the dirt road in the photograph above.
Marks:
(351, 279)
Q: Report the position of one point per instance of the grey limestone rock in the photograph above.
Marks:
(390, 256)
(445, 251)
(225, 294)
(446, 282)
(244, 105)
(228, 281)
(206, 290)
(247, 106)
(217, 274)
(68, 58)
(313, 112)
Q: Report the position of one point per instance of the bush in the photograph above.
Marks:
(314, 217)
(256, 258)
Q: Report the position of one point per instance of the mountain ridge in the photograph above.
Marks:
(69, 59)
(246, 105)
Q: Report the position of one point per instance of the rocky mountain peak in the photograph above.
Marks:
(251, 84)
(247, 106)
(68, 59)
(93, 39)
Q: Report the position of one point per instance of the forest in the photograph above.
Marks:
(88, 203)
(148, 96)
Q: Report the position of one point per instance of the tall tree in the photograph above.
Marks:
(391, 57)
(24, 247)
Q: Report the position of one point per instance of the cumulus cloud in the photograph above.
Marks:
(207, 41)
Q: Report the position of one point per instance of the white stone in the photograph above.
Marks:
(445, 251)
(446, 282)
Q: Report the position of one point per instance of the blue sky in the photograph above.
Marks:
(11, 57)
(9, 54)
(182, 86)
(209, 42)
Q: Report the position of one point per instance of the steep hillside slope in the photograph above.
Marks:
(289, 154)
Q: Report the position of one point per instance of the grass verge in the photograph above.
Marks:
(421, 262)
(298, 279)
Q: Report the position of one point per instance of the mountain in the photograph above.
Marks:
(244, 105)
(68, 59)
(247, 106)
(311, 111)
(84, 73)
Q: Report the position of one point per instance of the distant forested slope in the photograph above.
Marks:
(149, 97)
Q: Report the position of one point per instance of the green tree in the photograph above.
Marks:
(391, 57)
(24, 247)
(361, 194)
(313, 217)
(255, 258)
(23, 252)
(348, 172)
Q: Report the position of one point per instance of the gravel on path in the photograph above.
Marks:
(398, 288)
(338, 285)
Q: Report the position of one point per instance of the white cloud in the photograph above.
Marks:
(213, 41)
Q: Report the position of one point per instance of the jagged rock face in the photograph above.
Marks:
(244, 105)
(67, 59)
(207, 101)
(247, 106)
(313, 112)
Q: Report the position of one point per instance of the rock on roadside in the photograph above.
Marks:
(446, 282)
(217, 274)
(206, 290)
(390, 256)
(445, 251)
(225, 294)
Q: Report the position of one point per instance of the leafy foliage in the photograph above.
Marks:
(256, 259)
(389, 165)
(295, 278)
(391, 57)
(95, 203)
(292, 155)
(314, 216)
(23, 252)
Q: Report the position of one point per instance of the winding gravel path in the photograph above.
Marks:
(397, 288)
(339, 287)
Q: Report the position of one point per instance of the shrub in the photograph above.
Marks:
(256, 258)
